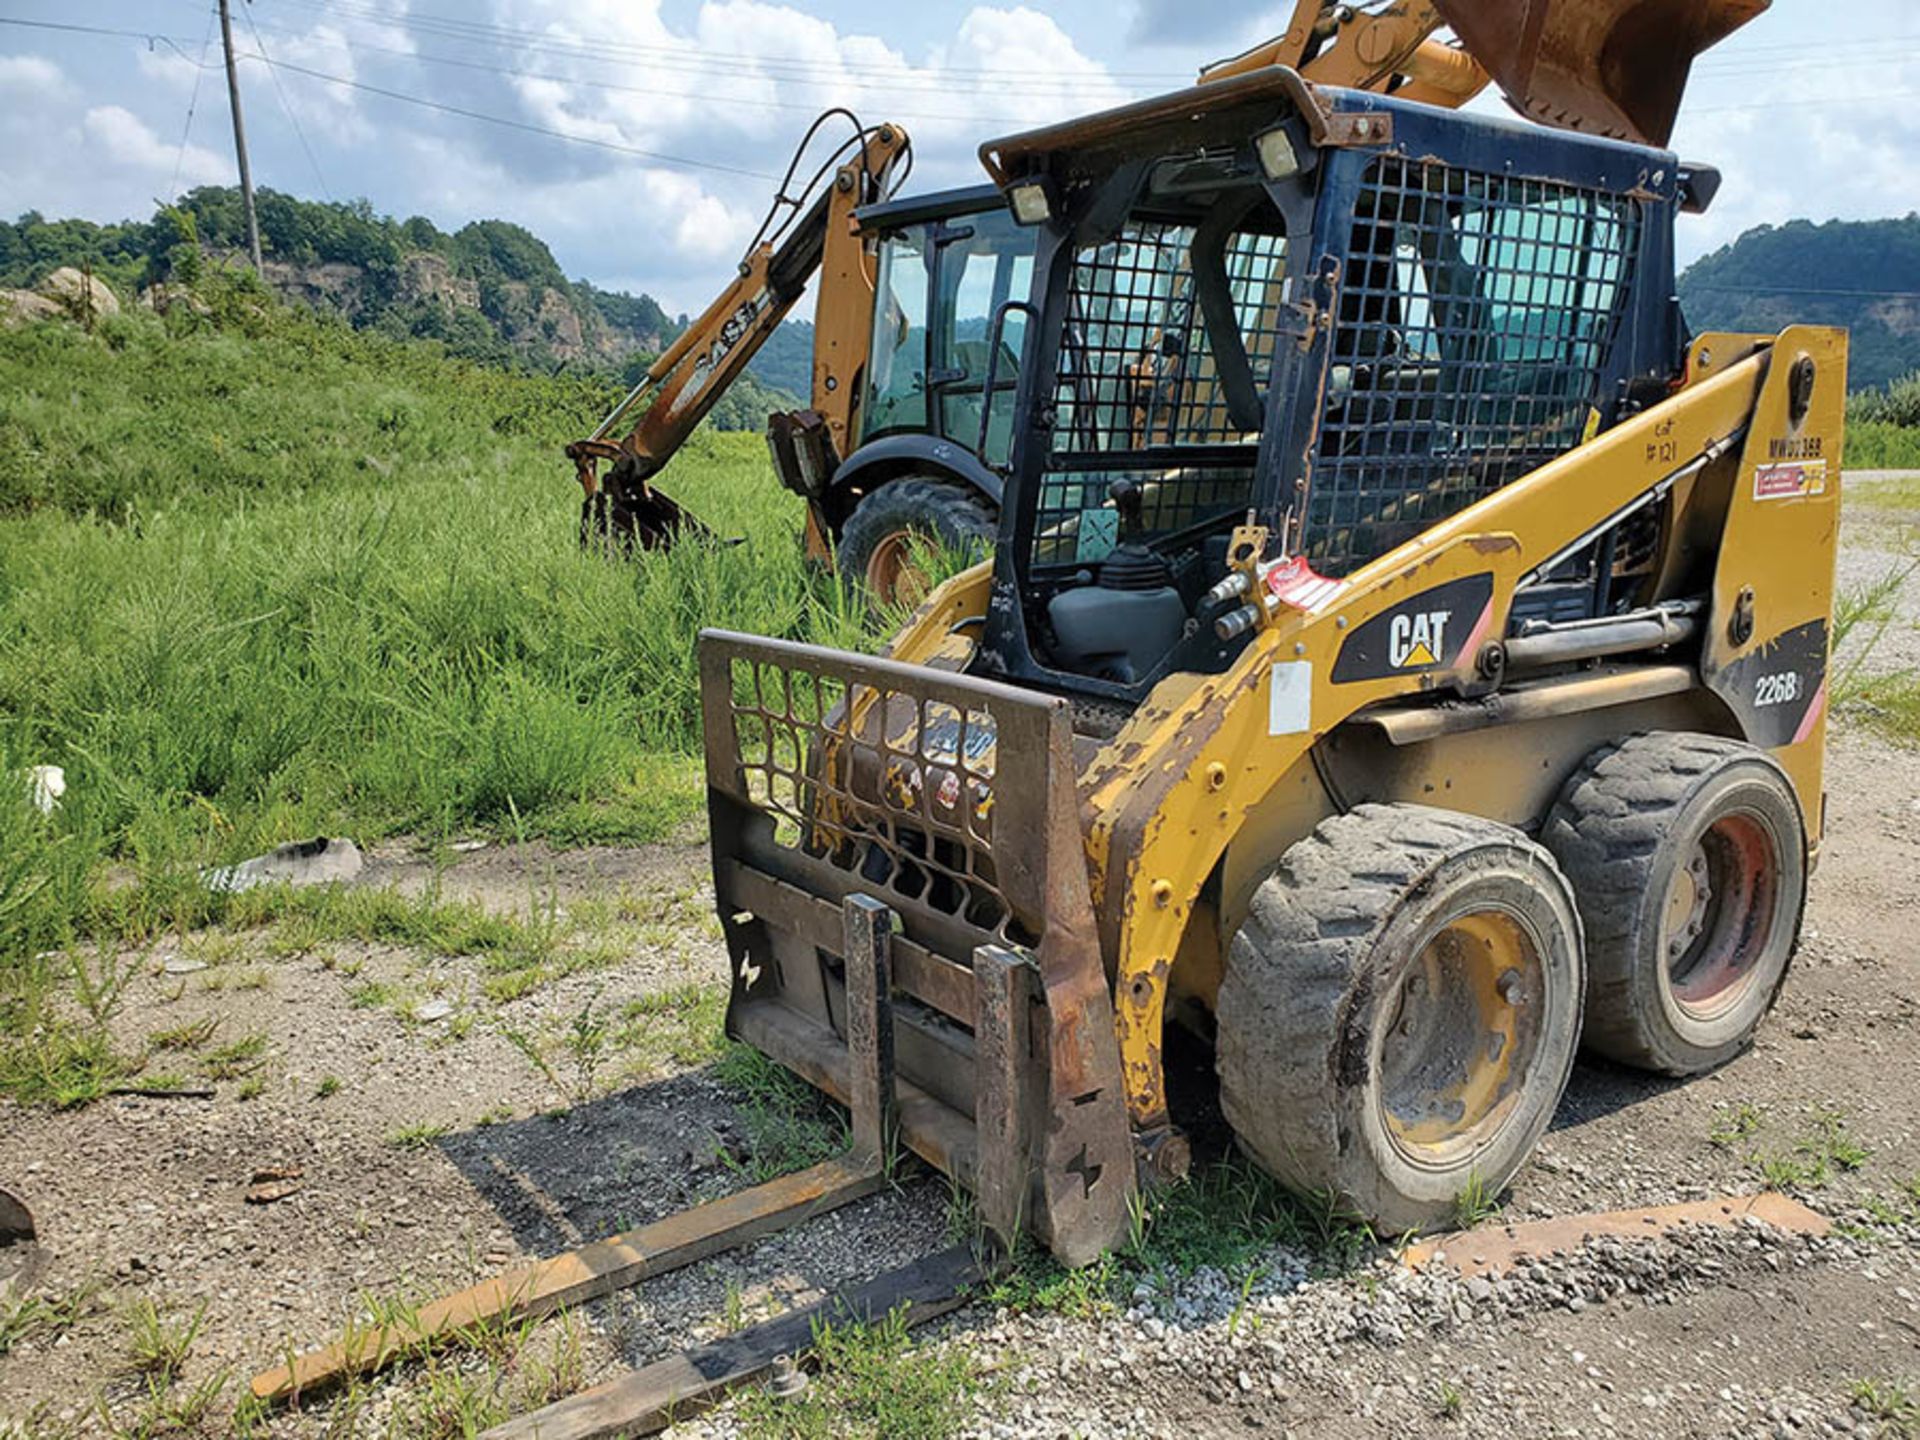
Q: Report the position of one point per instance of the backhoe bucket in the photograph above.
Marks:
(1605, 67)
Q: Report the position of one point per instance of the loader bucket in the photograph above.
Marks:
(1605, 67)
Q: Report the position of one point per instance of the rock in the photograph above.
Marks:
(301, 862)
(161, 297)
(22, 307)
(80, 296)
(433, 1010)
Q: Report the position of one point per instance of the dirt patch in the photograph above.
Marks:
(532, 877)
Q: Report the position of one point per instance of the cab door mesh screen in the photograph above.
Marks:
(1478, 314)
(1138, 392)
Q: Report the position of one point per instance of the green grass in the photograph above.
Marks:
(45, 1315)
(1478, 1202)
(1887, 700)
(1891, 1404)
(870, 1381)
(789, 1125)
(1224, 1215)
(1734, 1123)
(277, 579)
(1823, 1148)
(158, 1346)
(1879, 445)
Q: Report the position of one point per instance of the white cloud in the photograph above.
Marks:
(121, 141)
(69, 157)
(734, 83)
(28, 78)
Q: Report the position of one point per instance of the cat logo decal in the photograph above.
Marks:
(1417, 640)
(1440, 628)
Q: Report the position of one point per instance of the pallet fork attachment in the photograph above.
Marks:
(648, 1398)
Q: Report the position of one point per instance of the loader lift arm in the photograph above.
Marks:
(802, 232)
(1606, 67)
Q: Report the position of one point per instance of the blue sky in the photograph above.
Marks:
(1810, 111)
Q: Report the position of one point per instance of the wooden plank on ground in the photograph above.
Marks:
(1492, 1248)
(644, 1401)
(596, 1269)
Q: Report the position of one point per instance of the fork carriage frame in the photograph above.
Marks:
(830, 784)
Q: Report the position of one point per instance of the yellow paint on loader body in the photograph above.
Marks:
(1212, 779)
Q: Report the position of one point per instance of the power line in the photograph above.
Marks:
(193, 101)
(1743, 62)
(527, 126)
(176, 44)
(285, 106)
(406, 99)
(603, 45)
(357, 47)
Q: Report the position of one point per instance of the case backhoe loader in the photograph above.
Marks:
(891, 449)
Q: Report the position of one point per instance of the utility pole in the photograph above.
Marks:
(240, 138)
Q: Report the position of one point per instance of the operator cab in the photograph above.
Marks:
(944, 266)
(1343, 316)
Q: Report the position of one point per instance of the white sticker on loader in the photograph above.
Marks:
(1290, 698)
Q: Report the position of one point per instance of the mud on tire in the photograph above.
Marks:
(1688, 856)
(1400, 1011)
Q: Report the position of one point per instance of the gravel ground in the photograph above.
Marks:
(444, 1156)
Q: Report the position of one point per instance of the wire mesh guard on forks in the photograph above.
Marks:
(895, 788)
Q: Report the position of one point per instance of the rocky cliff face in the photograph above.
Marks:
(541, 322)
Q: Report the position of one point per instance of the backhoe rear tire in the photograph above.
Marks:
(1400, 1011)
(1688, 855)
(877, 545)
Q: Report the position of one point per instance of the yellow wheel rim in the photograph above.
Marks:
(1461, 1035)
(892, 574)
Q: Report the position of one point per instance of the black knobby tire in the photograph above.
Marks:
(1350, 996)
(877, 542)
(1688, 856)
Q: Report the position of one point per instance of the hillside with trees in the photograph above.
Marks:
(490, 291)
(1863, 274)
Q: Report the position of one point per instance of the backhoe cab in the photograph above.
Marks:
(889, 452)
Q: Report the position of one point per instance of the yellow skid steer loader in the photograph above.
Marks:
(1404, 658)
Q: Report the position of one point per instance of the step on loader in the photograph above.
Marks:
(1404, 661)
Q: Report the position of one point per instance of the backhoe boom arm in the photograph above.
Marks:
(681, 387)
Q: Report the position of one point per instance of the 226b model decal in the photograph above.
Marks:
(1778, 690)
(1428, 631)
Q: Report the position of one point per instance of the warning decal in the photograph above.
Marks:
(1791, 480)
